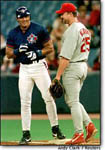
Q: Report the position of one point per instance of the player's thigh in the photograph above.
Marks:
(25, 87)
(43, 81)
(72, 89)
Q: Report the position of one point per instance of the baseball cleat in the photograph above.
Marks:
(78, 138)
(90, 131)
(25, 139)
(56, 133)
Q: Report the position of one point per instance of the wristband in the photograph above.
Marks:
(39, 53)
(16, 52)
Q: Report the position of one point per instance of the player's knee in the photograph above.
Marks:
(25, 98)
(68, 103)
(72, 103)
(47, 100)
(25, 104)
(47, 97)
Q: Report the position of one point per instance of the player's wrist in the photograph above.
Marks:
(57, 78)
(16, 52)
(22, 48)
(39, 53)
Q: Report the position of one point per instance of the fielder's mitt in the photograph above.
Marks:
(56, 89)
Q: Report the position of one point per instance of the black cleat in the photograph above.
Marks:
(25, 139)
(56, 133)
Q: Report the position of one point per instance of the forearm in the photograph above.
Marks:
(48, 48)
(10, 53)
(62, 66)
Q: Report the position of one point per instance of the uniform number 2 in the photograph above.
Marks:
(85, 44)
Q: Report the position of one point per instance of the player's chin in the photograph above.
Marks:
(64, 21)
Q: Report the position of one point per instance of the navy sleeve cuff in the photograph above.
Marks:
(16, 52)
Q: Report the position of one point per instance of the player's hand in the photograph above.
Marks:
(23, 48)
(31, 55)
(35, 55)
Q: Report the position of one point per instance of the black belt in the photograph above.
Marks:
(29, 63)
(79, 61)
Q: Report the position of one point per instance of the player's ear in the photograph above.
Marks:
(17, 19)
(30, 17)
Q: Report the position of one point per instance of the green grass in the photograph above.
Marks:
(40, 129)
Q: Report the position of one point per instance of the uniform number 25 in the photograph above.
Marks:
(85, 44)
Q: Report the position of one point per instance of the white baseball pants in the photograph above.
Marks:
(28, 75)
(73, 79)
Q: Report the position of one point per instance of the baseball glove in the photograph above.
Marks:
(56, 89)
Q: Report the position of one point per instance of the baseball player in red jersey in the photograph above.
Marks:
(73, 68)
(28, 44)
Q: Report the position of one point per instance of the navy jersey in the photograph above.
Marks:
(35, 36)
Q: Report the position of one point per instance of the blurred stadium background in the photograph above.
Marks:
(43, 12)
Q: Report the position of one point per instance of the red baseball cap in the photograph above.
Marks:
(66, 7)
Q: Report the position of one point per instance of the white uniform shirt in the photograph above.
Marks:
(76, 42)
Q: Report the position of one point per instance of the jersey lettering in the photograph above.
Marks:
(86, 40)
(85, 44)
(84, 31)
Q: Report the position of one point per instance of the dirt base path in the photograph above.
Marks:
(45, 117)
(53, 142)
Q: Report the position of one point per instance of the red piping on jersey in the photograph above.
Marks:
(45, 65)
(10, 45)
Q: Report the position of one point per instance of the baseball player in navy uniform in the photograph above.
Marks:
(28, 44)
(73, 68)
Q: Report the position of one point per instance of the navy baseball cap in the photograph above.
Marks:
(22, 12)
